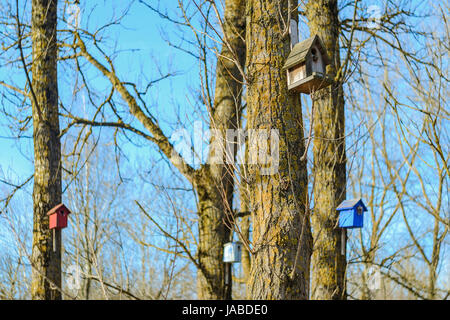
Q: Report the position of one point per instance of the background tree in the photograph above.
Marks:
(217, 188)
(46, 260)
(329, 170)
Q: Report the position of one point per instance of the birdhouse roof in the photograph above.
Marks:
(57, 208)
(301, 50)
(350, 204)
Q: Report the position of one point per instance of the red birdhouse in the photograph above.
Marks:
(58, 216)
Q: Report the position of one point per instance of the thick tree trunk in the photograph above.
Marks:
(277, 200)
(245, 230)
(245, 226)
(213, 234)
(245, 256)
(46, 263)
(215, 188)
(328, 264)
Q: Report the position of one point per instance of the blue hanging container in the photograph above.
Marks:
(351, 213)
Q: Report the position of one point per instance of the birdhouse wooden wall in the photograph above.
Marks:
(351, 218)
(296, 73)
(58, 221)
(317, 63)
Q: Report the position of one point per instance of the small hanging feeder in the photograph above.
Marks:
(351, 216)
(232, 252)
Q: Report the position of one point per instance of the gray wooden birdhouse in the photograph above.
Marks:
(306, 66)
(232, 252)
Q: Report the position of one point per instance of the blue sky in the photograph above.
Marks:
(142, 48)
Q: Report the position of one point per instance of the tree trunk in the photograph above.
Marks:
(245, 230)
(328, 264)
(46, 263)
(245, 256)
(277, 198)
(213, 234)
(245, 226)
(216, 186)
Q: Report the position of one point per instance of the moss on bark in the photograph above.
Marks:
(328, 264)
(46, 263)
(277, 201)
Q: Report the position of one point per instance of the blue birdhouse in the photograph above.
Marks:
(232, 252)
(351, 213)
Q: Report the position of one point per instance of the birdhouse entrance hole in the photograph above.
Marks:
(317, 61)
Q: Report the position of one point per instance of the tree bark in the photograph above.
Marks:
(216, 184)
(277, 200)
(46, 263)
(245, 230)
(328, 264)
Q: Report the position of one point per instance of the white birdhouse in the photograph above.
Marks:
(306, 66)
(232, 252)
